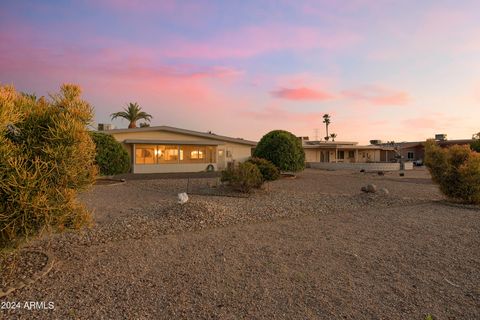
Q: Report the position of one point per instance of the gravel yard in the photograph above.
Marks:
(311, 247)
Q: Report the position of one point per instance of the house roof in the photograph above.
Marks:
(329, 143)
(212, 136)
(412, 144)
(346, 147)
(175, 142)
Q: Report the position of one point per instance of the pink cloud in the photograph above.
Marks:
(255, 40)
(377, 96)
(278, 114)
(301, 93)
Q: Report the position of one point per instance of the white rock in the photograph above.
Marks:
(182, 198)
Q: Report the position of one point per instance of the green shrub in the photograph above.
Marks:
(227, 174)
(243, 178)
(283, 149)
(475, 145)
(456, 170)
(268, 170)
(46, 155)
(110, 157)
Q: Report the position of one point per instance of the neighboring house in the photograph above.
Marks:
(169, 149)
(346, 152)
(415, 151)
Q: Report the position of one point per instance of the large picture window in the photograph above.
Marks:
(145, 154)
(167, 154)
(159, 154)
(192, 154)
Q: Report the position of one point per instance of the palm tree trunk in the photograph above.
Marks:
(132, 125)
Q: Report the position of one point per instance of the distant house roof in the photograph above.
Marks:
(342, 145)
(442, 143)
(329, 143)
(184, 131)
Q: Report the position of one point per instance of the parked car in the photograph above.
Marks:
(418, 162)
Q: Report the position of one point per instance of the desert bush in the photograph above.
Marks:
(268, 170)
(111, 158)
(46, 156)
(283, 149)
(227, 174)
(244, 177)
(456, 170)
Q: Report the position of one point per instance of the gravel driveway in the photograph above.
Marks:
(311, 247)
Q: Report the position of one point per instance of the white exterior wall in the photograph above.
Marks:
(237, 152)
(171, 167)
(382, 166)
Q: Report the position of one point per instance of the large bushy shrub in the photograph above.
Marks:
(268, 170)
(46, 155)
(456, 170)
(244, 177)
(283, 149)
(111, 157)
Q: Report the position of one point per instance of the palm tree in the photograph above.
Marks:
(333, 136)
(133, 112)
(326, 120)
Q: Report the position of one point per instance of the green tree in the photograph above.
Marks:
(326, 120)
(46, 156)
(283, 149)
(475, 145)
(133, 112)
(111, 157)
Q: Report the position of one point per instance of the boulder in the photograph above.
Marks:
(371, 188)
(182, 198)
(384, 191)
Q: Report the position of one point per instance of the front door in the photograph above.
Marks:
(221, 159)
(324, 156)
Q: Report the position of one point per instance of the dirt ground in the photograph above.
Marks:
(314, 247)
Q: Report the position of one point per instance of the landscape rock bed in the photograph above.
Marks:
(314, 247)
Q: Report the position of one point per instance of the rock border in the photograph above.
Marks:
(20, 284)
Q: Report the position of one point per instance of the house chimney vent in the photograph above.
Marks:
(105, 126)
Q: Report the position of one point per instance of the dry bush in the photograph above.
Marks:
(456, 170)
(46, 156)
(243, 178)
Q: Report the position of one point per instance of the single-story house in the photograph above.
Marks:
(162, 149)
(346, 152)
(415, 151)
(347, 155)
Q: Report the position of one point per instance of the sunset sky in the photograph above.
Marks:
(392, 70)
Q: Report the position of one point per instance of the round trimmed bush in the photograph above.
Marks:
(110, 157)
(283, 149)
(268, 170)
